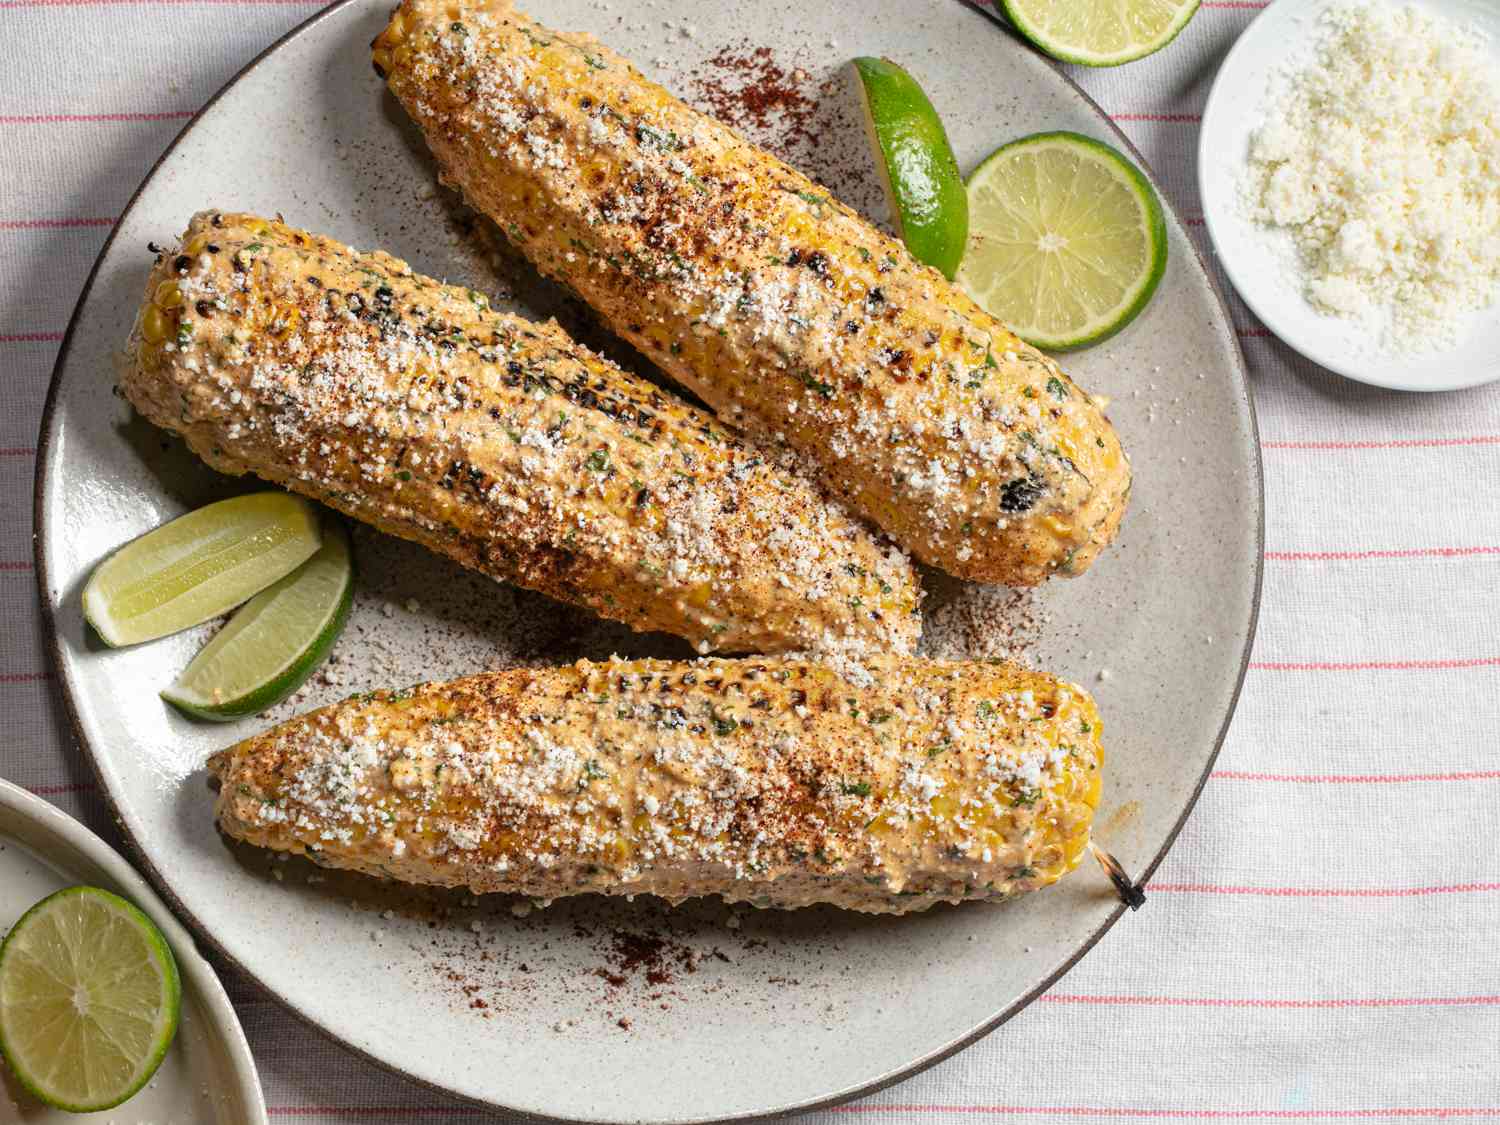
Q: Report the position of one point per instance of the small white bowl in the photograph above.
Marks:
(208, 1076)
(1250, 254)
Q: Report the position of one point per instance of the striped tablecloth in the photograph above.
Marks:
(1323, 942)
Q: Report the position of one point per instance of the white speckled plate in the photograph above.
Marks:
(1255, 259)
(208, 1075)
(629, 1011)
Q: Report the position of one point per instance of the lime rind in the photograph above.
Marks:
(276, 616)
(1152, 223)
(922, 181)
(164, 1026)
(1051, 45)
(199, 566)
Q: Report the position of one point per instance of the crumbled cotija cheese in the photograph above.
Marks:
(1382, 160)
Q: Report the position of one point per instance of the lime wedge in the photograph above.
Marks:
(199, 566)
(88, 999)
(1099, 32)
(269, 647)
(922, 180)
(1066, 240)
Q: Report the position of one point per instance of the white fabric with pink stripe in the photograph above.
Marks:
(1323, 943)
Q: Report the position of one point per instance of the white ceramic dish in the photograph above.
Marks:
(782, 1011)
(1235, 108)
(208, 1075)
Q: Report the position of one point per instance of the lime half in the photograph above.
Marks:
(1099, 32)
(1066, 240)
(89, 997)
(921, 177)
(199, 566)
(267, 650)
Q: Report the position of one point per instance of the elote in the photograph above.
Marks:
(418, 408)
(775, 303)
(884, 786)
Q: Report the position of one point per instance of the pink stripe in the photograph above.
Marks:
(1319, 892)
(171, 3)
(1253, 333)
(1378, 665)
(1357, 778)
(372, 1111)
(73, 118)
(29, 337)
(24, 677)
(52, 224)
(1386, 1113)
(1234, 5)
(1174, 117)
(1400, 443)
(54, 790)
(1354, 556)
(1237, 1002)
(365, 1112)
(15, 566)
(19, 451)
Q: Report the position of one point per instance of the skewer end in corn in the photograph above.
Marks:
(1130, 894)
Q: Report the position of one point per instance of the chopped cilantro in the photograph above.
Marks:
(817, 385)
(854, 788)
(591, 771)
(403, 474)
(598, 460)
(1057, 388)
(724, 726)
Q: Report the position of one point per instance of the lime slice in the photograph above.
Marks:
(1099, 32)
(267, 650)
(199, 566)
(88, 999)
(922, 180)
(1066, 240)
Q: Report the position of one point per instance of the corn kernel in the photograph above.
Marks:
(167, 296)
(155, 325)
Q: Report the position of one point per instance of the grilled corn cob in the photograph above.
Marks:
(884, 786)
(418, 408)
(779, 306)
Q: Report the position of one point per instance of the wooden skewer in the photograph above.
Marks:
(1130, 894)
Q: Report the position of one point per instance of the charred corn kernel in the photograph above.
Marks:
(156, 325)
(884, 786)
(418, 408)
(927, 414)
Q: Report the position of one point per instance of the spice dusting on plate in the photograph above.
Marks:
(811, 121)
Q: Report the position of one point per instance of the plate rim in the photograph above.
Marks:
(1218, 96)
(198, 974)
(203, 933)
